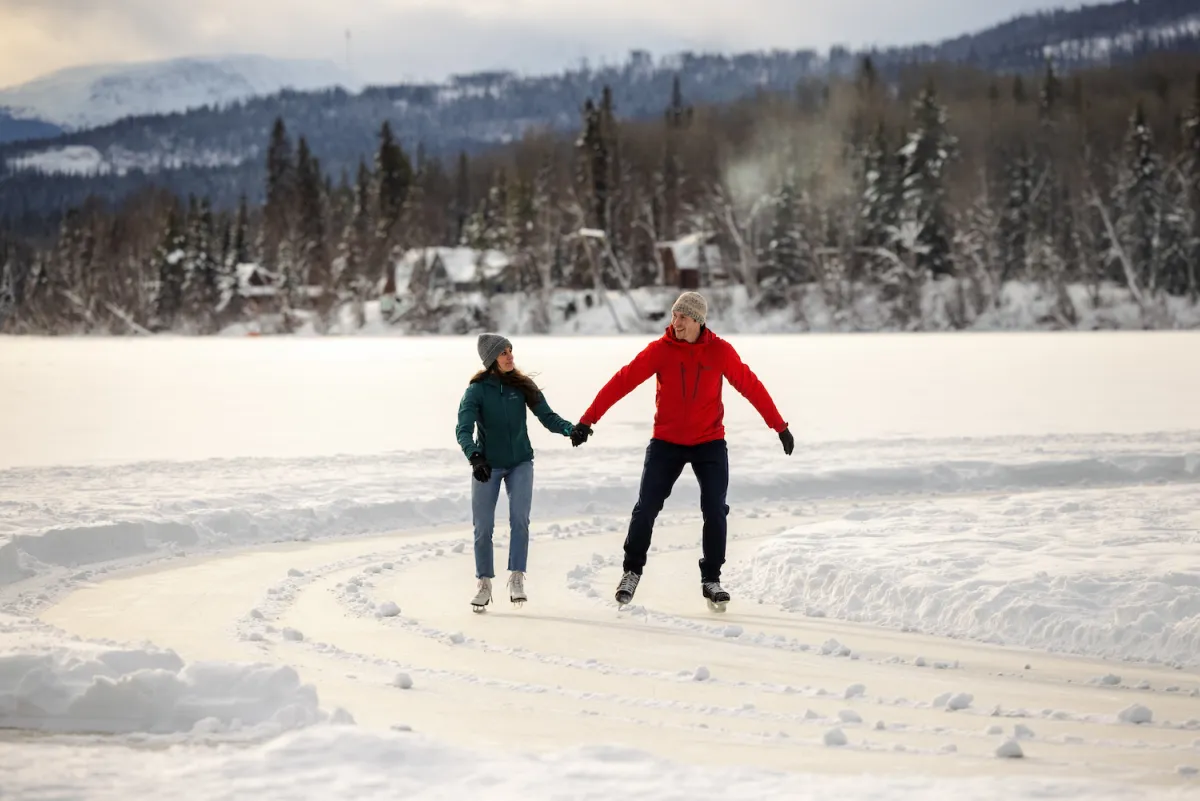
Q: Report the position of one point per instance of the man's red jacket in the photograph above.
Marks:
(688, 407)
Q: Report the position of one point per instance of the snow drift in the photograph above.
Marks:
(50, 683)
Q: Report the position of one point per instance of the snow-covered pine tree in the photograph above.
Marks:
(201, 267)
(879, 203)
(240, 251)
(524, 250)
(783, 262)
(1139, 202)
(8, 292)
(461, 206)
(928, 153)
(172, 249)
(352, 275)
(1016, 218)
(1191, 180)
(1177, 237)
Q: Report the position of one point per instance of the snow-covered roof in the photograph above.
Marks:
(686, 250)
(458, 262)
(246, 271)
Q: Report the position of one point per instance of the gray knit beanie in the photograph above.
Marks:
(490, 346)
(693, 305)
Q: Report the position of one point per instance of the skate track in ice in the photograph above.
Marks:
(759, 686)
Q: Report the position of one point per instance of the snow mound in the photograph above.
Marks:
(51, 684)
(1135, 714)
(932, 566)
(1009, 749)
(835, 737)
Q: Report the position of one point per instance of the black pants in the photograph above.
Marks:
(664, 463)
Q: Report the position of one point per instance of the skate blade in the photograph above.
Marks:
(518, 602)
(478, 608)
(717, 606)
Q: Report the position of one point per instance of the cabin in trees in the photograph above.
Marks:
(458, 269)
(691, 261)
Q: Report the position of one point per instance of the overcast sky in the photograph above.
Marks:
(392, 40)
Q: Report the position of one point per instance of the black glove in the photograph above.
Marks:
(785, 436)
(481, 469)
(580, 434)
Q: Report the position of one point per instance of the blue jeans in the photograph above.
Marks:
(518, 483)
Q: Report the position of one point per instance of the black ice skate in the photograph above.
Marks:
(627, 587)
(717, 598)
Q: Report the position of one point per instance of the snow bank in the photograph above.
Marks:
(331, 762)
(1111, 573)
(1019, 306)
(49, 683)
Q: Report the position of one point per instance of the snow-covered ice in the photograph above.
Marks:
(924, 590)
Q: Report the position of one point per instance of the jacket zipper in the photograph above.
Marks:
(682, 381)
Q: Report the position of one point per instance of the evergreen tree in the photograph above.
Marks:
(880, 197)
(1016, 223)
(678, 118)
(280, 200)
(928, 153)
(1191, 181)
(201, 267)
(240, 250)
(8, 291)
(172, 249)
(1140, 202)
(356, 238)
(784, 259)
(313, 256)
(462, 198)
(395, 178)
(1049, 96)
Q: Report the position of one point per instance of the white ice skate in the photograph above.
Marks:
(516, 588)
(483, 597)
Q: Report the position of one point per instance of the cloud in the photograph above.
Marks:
(396, 39)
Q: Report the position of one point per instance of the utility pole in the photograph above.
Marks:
(347, 50)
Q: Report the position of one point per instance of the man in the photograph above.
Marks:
(689, 362)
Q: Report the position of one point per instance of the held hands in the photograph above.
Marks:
(481, 470)
(580, 434)
(785, 436)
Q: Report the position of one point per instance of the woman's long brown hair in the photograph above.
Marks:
(515, 379)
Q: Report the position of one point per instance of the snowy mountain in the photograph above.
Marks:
(217, 153)
(90, 96)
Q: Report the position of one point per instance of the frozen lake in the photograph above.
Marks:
(95, 401)
(985, 545)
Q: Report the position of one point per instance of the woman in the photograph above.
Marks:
(495, 402)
